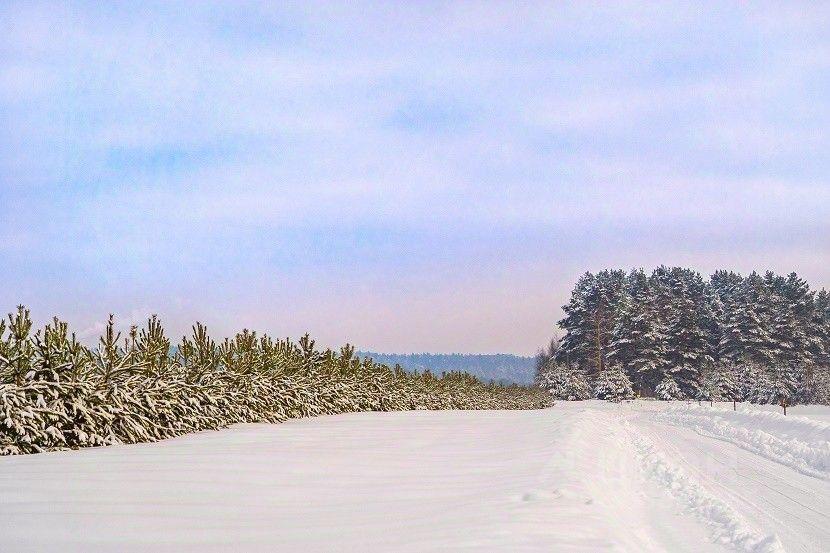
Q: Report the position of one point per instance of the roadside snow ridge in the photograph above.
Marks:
(797, 442)
(728, 527)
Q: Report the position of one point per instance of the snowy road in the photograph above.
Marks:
(583, 476)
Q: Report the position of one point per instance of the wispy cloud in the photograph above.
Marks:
(287, 164)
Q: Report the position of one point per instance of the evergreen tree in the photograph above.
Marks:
(820, 387)
(575, 346)
(724, 293)
(722, 383)
(756, 384)
(706, 388)
(788, 299)
(786, 385)
(565, 382)
(689, 349)
(745, 332)
(668, 389)
(638, 341)
(771, 330)
(543, 358)
(818, 342)
(589, 320)
(613, 384)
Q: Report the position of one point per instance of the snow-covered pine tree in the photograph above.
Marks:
(819, 335)
(705, 389)
(786, 386)
(746, 374)
(724, 296)
(688, 348)
(589, 320)
(543, 358)
(668, 389)
(819, 345)
(16, 351)
(712, 315)
(787, 343)
(575, 346)
(722, 382)
(565, 382)
(745, 336)
(621, 348)
(820, 387)
(791, 337)
(756, 384)
(638, 342)
(613, 384)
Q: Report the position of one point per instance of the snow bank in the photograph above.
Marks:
(798, 442)
(728, 527)
(570, 478)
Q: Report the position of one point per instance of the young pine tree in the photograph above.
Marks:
(613, 384)
(668, 389)
(565, 382)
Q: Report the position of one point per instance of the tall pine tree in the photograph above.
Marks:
(638, 341)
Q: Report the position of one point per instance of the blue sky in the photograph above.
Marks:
(403, 176)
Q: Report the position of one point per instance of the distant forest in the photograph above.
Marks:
(769, 333)
(501, 367)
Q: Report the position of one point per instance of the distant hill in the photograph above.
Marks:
(499, 367)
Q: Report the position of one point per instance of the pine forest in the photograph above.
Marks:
(673, 334)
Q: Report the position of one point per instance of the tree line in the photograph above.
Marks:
(499, 367)
(57, 393)
(674, 334)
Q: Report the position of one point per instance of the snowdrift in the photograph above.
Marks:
(798, 442)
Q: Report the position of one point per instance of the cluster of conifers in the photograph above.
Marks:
(56, 393)
(674, 332)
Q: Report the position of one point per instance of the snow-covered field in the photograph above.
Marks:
(641, 476)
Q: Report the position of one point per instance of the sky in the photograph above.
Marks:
(405, 177)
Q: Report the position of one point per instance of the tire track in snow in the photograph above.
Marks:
(728, 527)
(767, 494)
(745, 474)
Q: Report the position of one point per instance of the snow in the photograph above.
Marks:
(728, 527)
(581, 476)
(796, 441)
